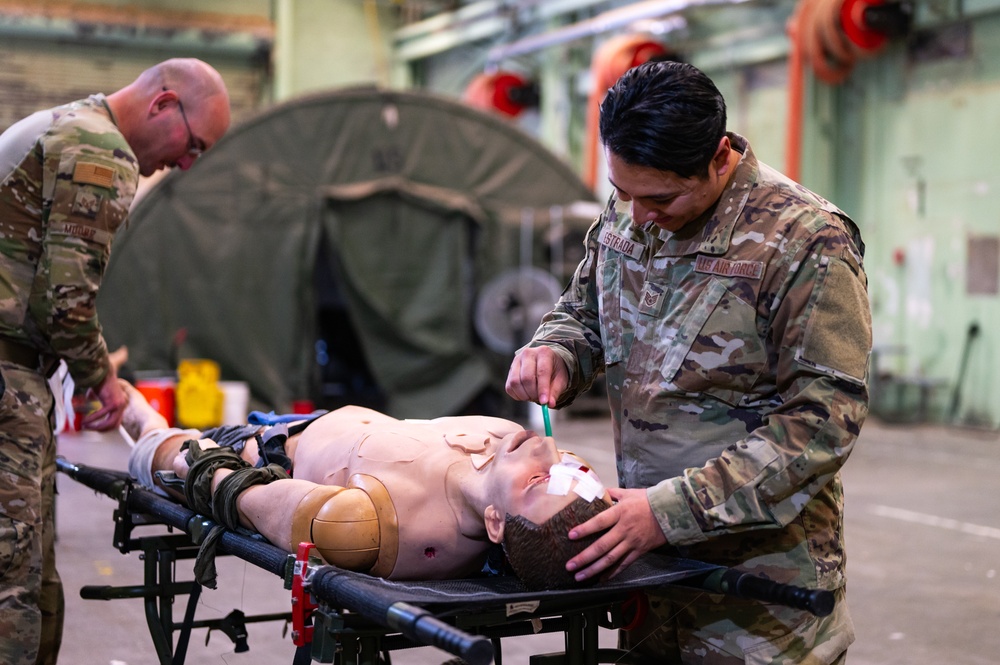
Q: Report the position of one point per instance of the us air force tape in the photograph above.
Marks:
(561, 476)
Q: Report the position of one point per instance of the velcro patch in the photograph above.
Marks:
(87, 203)
(838, 336)
(728, 268)
(621, 244)
(649, 301)
(82, 231)
(89, 173)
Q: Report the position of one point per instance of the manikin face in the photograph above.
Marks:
(664, 198)
(518, 477)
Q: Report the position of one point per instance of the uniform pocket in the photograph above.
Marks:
(610, 308)
(7, 405)
(15, 549)
(818, 641)
(718, 350)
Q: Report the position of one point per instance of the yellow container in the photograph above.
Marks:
(199, 397)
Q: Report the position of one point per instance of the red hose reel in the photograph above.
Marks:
(857, 27)
(502, 91)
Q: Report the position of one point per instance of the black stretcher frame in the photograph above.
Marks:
(360, 617)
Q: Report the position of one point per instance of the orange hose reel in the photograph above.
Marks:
(611, 60)
(829, 36)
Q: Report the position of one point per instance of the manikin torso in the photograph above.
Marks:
(421, 464)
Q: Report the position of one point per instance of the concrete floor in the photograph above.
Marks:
(923, 535)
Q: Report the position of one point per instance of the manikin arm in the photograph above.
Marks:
(352, 527)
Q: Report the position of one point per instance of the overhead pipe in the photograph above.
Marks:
(477, 21)
(486, 19)
(602, 23)
(135, 30)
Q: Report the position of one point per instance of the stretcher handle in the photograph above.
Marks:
(337, 588)
(729, 581)
(421, 626)
(108, 482)
(119, 486)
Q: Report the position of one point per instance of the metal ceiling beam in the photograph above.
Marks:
(478, 21)
(136, 29)
(490, 19)
(606, 22)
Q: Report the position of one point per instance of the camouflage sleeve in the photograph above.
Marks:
(821, 335)
(572, 328)
(90, 180)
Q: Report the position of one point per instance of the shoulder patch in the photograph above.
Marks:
(90, 173)
(838, 335)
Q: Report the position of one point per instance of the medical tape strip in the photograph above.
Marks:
(561, 476)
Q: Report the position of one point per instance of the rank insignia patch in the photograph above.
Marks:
(87, 203)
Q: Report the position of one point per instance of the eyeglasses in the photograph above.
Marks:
(194, 149)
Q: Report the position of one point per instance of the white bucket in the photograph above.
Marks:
(235, 402)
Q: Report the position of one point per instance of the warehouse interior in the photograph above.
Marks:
(469, 126)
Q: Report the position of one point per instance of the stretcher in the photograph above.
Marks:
(349, 618)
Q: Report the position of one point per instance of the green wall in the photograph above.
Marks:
(323, 44)
(907, 146)
(931, 135)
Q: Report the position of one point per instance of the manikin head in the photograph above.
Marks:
(538, 552)
(537, 495)
(663, 128)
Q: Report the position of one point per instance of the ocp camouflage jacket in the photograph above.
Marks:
(67, 179)
(736, 353)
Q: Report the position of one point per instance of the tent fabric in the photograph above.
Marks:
(406, 192)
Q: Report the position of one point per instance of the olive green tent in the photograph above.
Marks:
(333, 249)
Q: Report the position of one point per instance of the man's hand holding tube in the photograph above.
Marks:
(540, 375)
(537, 375)
(630, 529)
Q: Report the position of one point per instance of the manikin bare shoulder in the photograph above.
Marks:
(418, 462)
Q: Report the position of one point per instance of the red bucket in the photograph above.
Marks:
(160, 395)
(303, 406)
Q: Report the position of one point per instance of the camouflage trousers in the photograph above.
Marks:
(31, 596)
(687, 627)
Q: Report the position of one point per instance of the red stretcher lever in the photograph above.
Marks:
(302, 601)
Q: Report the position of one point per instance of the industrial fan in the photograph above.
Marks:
(511, 305)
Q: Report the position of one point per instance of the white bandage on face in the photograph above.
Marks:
(561, 476)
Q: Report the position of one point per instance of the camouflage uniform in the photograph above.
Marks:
(736, 354)
(67, 178)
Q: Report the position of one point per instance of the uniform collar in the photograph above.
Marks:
(101, 100)
(713, 232)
